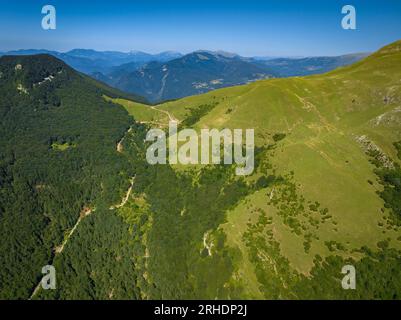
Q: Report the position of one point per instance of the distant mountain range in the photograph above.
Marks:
(289, 67)
(194, 73)
(90, 61)
(171, 75)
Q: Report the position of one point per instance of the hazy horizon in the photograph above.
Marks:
(182, 53)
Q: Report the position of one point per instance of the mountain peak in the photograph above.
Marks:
(219, 53)
(43, 63)
(391, 48)
(27, 72)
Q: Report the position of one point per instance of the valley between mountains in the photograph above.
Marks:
(325, 191)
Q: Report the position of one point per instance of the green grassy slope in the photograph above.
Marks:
(324, 201)
(142, 112)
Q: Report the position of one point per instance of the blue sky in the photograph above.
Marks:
(264, 28)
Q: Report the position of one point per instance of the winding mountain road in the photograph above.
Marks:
(172, 118)
(126, 198)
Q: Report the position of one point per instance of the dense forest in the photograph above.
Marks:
(57, 156)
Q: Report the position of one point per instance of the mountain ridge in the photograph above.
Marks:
(203, 71)
(135, 71)
(89, 60)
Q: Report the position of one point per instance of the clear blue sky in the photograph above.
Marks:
(247, 27)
